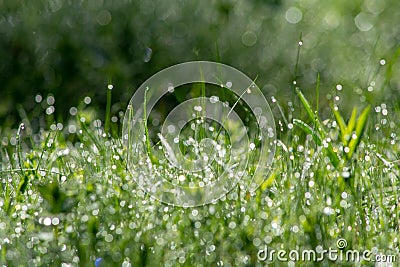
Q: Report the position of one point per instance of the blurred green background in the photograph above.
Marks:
(71, 49)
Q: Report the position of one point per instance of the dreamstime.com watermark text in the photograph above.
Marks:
(338, 254)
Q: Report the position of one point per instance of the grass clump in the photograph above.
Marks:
(67, 198)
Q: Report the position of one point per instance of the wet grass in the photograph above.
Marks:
(67, 198)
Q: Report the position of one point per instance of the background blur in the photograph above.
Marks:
(57, 52)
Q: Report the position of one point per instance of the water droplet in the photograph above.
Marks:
(47, 221)
(55, 221)
(38, 98)
(181, 178)
(214, 99)
(147, 54)
(252, 146)
(346, 174)
(50, 110)
(50, 100)
(73, 111)
(87, 100)
(109, 238)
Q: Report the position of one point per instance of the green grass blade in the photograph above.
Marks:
(322, 133)
(352, 123)
(333, 157)
(317, 94)
(342, 125)
(310, 113)
(146, 129)
(360, 127)
(108, 109)
(307, 129)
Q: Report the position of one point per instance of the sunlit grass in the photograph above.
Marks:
(67, 198)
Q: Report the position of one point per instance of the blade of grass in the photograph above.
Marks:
(108, 109)
(317, 95)
(307, 129)
(351, 124)
(360, 127)
(320, 129)
(341, 123)
(146, 130)
(310, 113)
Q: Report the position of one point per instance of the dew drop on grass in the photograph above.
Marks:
(73, 111)
(214, 99)
(346, 174)
(87, 100)
(38, 98)
(109, 238)
(252, 146)
(50, 100)
(47, 221)
(50, 110)
(170, 88)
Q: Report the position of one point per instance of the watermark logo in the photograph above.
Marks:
(340, 253)
(204, 147)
